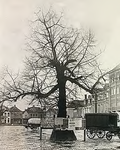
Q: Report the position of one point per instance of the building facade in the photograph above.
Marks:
(6, 117)
(32, 112)
(108, 98)
(11, 115)
(114, 84)
(51, 113)
(16, 115)
(78, 108)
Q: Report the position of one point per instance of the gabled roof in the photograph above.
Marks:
(34, 109)
(15, 109)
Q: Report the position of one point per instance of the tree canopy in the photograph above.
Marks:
(62, 60)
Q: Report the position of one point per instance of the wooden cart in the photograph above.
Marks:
(102, 124)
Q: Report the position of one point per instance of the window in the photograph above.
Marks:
(107, 94)
(112, 78)
(118, 76)
(117, 90)
(112, 91)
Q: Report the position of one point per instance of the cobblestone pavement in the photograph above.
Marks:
(19, 138)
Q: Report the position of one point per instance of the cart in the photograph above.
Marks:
(101, 125)
(33, 123)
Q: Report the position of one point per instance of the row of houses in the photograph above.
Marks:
(14, 116)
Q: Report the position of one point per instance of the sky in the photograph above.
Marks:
(102, 16)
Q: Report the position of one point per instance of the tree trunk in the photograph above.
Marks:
(62, 100)
(62, 93)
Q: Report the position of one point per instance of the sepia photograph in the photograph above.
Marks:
(59, 75)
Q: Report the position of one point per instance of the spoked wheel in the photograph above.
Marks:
(100, 133)
(108, 136)
(119, 135)
(90, 134)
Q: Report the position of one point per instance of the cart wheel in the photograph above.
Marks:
(100, 133)
(119, 135)
(90, 134)
(108, 136)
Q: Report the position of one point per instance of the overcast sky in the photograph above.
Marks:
(102, 16)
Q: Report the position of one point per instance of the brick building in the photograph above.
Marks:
(114, 93)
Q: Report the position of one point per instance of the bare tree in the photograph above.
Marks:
(61, 57)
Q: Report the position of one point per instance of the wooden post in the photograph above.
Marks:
(54, 122)
(84, 125)
(95, 102)
(40, 126)
(84, 134)
(40, 133)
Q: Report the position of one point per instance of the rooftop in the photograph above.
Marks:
(34, 109)
(14, 109)
(115, 68)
